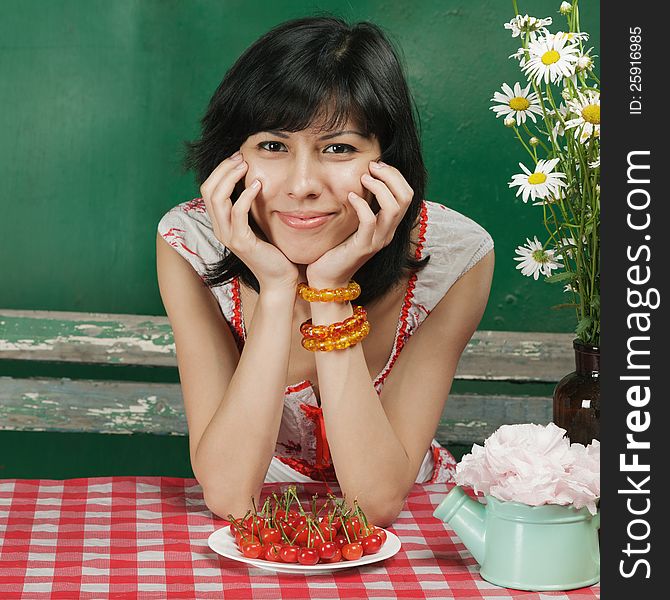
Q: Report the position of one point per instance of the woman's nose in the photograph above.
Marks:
(303, 178)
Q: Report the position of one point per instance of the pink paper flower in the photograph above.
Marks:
(534, 464)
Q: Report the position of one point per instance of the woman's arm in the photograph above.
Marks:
(233, 402)
(378, 442)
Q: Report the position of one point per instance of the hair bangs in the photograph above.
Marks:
(303, 100)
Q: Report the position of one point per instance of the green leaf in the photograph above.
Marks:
(558, 277)
(583, 326)
(595, 302)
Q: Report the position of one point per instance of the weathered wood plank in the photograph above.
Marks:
(469, 418)
(98, 338)
(129, 407)
(45, 404)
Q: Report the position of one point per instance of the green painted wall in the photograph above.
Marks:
(98, 96)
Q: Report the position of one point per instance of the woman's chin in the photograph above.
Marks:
(302, 257)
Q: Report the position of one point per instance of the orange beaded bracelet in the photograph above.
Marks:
(351, 292)
(336, 336)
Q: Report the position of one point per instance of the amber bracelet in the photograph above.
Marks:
(345, 340)
(310, 294)
(323, 331)
(336, 336)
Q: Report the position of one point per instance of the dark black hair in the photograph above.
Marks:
(318, 70)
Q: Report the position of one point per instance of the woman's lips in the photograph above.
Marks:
(298, 223)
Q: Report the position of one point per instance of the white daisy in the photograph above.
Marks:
(520, 55)
(551, 58)
(539, 184)
(574, 36)
(565, 8)
(516, 103)
(567, 246)
(545, 201)
(570, 288)
(584, 62)
(534, 260)
(587, 108)
(558, 129)
(596, 163)
(526, 24)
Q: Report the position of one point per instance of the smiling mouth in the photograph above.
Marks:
(306, 223)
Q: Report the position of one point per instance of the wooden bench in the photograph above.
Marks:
(123, 407)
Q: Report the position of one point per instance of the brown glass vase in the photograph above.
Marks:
(577, 396)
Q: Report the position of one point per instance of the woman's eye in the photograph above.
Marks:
(344, 149)
(270, 146)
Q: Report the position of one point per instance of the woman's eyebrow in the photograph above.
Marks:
(337, 133)
(328, 136)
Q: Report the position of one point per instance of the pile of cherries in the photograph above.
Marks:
(283, 532)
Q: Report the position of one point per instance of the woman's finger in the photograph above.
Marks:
(220, 196)
(394, 180)
(210, 184)
(240, 211)
(390, 213)
(367, 220)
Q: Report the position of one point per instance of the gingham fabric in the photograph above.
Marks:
(146, 537)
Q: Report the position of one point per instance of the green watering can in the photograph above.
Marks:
(535, 548)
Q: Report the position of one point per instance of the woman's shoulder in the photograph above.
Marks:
(451, 226)
(188, 229)
(454, 236)
(455, 244)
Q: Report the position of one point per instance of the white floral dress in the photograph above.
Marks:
(454, 242)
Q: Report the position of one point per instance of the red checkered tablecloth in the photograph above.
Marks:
(146, 537)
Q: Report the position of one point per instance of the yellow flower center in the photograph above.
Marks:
(537, 178)
(551, 57)
(519, 103)
(540, 256)
(591, 113)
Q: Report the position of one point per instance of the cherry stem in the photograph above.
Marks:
(283, 533)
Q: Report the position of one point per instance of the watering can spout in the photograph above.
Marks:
(467, 518)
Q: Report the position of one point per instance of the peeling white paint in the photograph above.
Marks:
(29, 345)
(113, 345)
(471, 424)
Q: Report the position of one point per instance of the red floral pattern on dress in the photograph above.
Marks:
(305, 468)
(291, 447)
(402, 334)
(175, 238)
(298, 387)
(315, 414)
(197, 205)
(444, 465)
(237, 323)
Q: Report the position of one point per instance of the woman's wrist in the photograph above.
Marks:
(322, 284)
(281, 294)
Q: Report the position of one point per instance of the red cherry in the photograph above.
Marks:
(372, 544)
(308, 556)
(352, 551)
(328, 550)
(289, 554)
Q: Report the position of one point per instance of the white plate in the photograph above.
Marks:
(223, 543)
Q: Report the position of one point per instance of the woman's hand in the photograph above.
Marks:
(231, 226)
(394, 195)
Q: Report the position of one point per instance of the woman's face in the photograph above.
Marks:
(305, 173)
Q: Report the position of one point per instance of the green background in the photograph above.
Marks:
(98, 96)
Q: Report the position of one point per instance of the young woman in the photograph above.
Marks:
(310, 172)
